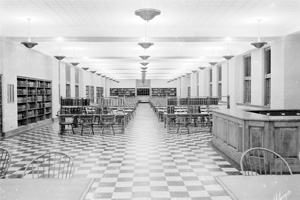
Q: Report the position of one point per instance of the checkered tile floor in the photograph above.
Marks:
(144, 163)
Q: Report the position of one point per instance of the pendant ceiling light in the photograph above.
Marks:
(213, 57)
(202, 68)
(228, 56)
(74, 64)
(29, 44)
(99, 74)
(194, 71)
(85, 68)
(258, 44)
(59, 57)
(145, 45)
(144, 68)
(144, 63)
(144, 57)
(93, 71)
(147, 13)
(212, 63)
(103, 76)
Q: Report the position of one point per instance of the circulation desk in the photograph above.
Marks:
(235, 131)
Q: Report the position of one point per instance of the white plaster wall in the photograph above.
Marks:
(193, 84)
(17, 60)
(277, 75)
(291, 72)
(224, 67)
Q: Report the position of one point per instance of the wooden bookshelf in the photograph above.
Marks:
(164, 92)
(121, 92)
(34, 100)
(73, 105)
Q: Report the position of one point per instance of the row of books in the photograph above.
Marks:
(193, 101)
(75, 102)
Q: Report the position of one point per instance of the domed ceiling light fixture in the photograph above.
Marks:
(85, 68)
(144, 57)
(93, 71)
(144, 63)
(29, 44)
(213, 55)
(59, 57)
(228, 56)
(259, 43)
(144, 68)
(74, 63)
(99, 74)
(147, 13)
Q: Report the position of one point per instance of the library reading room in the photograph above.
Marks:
(149, 99)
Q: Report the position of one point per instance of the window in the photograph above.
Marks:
(219, 82)
(76, 91)
(92, 94)
(210, 82)
(87, 91)
(267, 62)
(10, 93)
(68, 90)
(189, 91)
(247, 79)
(143, 92)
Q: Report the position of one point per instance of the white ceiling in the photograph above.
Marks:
(103, 34)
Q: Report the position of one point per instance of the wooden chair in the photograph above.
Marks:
(262, 161)
(50, 165)
(5, 161)
(183, 121)
(108, 121)
(86, 121)
(63, 121)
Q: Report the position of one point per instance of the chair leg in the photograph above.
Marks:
(81, 130)
(112, 126)
(178, 129)
(92, 129)
(188, 130)
(72, 129)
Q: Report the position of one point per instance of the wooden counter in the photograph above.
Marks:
(235, 131)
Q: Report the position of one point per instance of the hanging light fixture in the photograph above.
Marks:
(213, 55)
(228, 56)
(85, 68)
(59, 57)
(144, 63)
(144, 57)
(74, 63)
(99, 74)
(29, 44)
(93, 71)
(144, 68)
(147, 13)
(194, 71)
(212, 63)
(258, 44)
(201, 68)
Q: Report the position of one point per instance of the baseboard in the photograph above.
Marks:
(21, 129)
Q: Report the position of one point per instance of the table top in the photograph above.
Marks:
(45, 189)
(265, 187)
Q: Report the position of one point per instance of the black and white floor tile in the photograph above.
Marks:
(144, 163)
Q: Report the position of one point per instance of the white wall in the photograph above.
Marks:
(17, 60)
